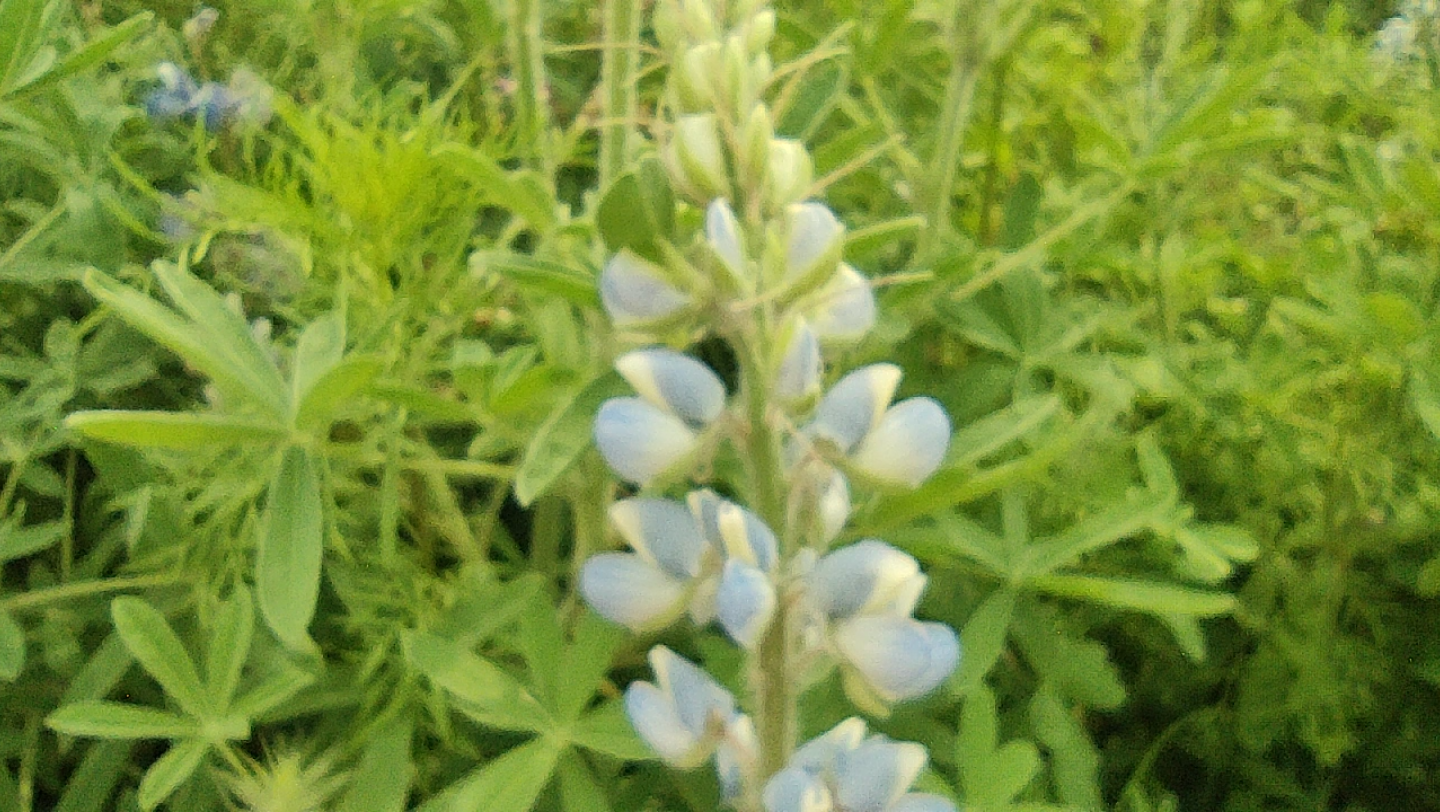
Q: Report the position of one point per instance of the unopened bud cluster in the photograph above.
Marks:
(766, 273)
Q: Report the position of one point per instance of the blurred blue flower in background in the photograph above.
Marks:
(843, 770)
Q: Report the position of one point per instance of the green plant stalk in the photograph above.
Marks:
(618, 77)
(527, 55)
(775, 697)
(83, 589)
(954, 119)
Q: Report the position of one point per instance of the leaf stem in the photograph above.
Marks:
(84, 589)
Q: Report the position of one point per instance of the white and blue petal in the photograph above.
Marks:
(820, 753)
(855, 404)
(745, 536)
(844, 308)
(674, 382)
(922, 802)
(663, 531)
(898, 657)
(656, 719)
(639, 440)
(735, 756)
(907, 445)
(723, 233)
(867, 577)
(814, 242)
(745, 602)
(796, 790)
(634, 291)
(800, 367)
(874, 775)
(703, 706)
(834, 506)
(631, 591)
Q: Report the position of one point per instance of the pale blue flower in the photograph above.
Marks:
(844, 771)
(684, 714)
(626, 589)
(674, 382)
(899, 657)
(722, 231)
(735, 757)
(682, 560)
(844, 309)
(744, 602)
(834, 506)
(634, 291)
(642, 438)
(862, 596)
(901, 445)
(639, 440)
(868, 577)
(907, 445)
(815, 240)
(800, 367)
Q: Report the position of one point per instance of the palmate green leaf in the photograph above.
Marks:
(562, 437)
(1116, 523)
(984, 636)
(229, 647)
(1077, 666)
(88, 788)
(1141, 596)
(585, 662)
(608, 730)
(382, 778)
(291, 545)
(277, 687)
(117, 720)
(991, 774)
(580, 791)
(181, 431)
(321, 403)
(1074, 762)
(483, 690)
(320, 348)
(12, 647)
(511, 782)
(159, 651)
(812, 95)
(236, 365)
(170, 771)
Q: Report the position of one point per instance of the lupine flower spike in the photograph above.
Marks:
(771, 281)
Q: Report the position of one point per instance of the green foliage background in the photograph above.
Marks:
(294, 417)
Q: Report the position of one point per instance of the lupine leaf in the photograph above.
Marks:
(182, 431)
(984, 636)
(608, 730)
(116, 720)
(1141, 596)
(562, 437)
(382, 778)
(579, 788)
(170, 771)
(159, 651)
(511, 782)
(484, 690)
(291, 545)
(229, 647)
(12, 647)
(334, 388)
(89, 787)
(1074, 762)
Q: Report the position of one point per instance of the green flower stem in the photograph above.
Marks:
(619, 80)
(527, 55)
(775, 697)
(954, 120)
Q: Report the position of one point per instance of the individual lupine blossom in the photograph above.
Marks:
(844, 770)
(899, 444)
(706, 555)
(685, 716)
(644, 437)
(858, 602)
(246, 98)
